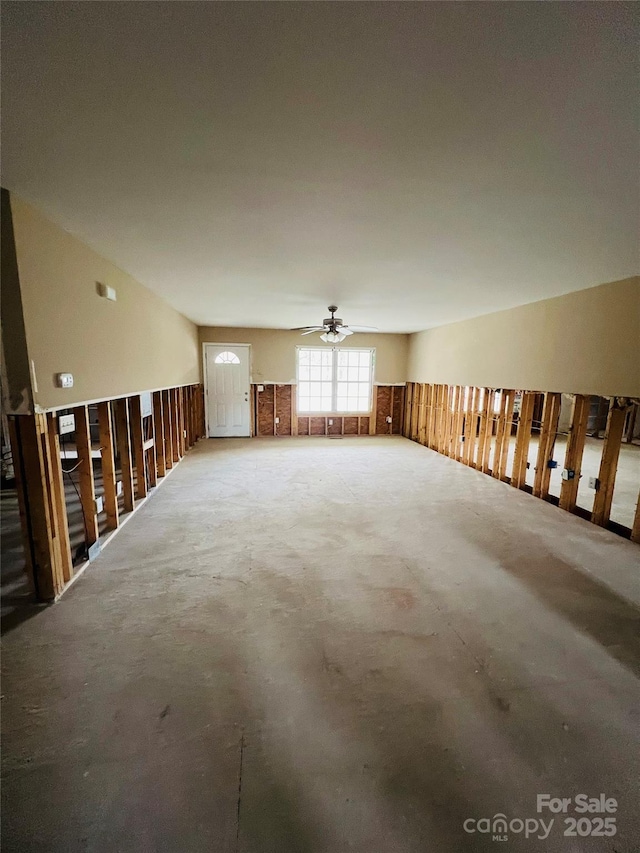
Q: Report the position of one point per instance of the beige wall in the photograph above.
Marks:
(135, 344)
(585, 343)
(273, 352)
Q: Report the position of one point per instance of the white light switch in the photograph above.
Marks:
(64, 380)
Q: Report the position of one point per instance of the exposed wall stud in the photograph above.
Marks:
(609, 463)
(523, 440)
(108, 464)
(574, 451)
(85, 474)
(546, 444)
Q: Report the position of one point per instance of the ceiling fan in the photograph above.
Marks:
(333, 328)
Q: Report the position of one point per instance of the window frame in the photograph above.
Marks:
(334, 411)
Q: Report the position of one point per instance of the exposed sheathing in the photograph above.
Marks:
(279, 401)
(283, 409)
(350, 426)
(266, 411)
(397, 409)
(383, 409)
(318, 426)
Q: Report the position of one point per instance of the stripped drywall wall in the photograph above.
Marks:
(113, 349)
(588, 342)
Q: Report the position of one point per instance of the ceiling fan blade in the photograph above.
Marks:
(315, 329)
(305, 328)
(344, 330)
(363, 328)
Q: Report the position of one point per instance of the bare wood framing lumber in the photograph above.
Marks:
(175, 420)
(137, 440)
(85, 474)
(167, 430)
(108, 464)
(374, 411)
(182, 436)
(546, 445)
(294, 410)
(504, 429)
(523, 440)
(609, 463)
(123, 438)
(418, 402)
(34, 473)
(574, 451)
(486, 430)
(158, 426)
(150, 450)
(57, 484)
(470, 428)
(459, 423)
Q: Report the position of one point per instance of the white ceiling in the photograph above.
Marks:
(417, 163)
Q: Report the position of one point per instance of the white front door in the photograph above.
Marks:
(227, 377)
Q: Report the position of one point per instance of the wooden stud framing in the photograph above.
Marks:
(108, 464)
(40, 510)
(459, 423)
(150, 448)
(158, 428)
(137, 441)
(523, 440)
(374, 410)
(85, 474)
(486, 430)
(59, 502)
(294, 410)
(123, 438)
(574, 451)
(469, 427)
(167, 429)
(501, 453)
(175, 426)
(609, 463)
(546, 444)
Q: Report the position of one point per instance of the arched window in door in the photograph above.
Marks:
(227, 358)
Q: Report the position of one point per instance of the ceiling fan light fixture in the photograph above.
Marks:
(332, 337)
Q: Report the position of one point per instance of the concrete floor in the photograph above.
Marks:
(327, 645)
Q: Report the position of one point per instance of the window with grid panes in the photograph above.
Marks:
(334, 380)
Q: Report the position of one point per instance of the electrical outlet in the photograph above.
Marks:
(260, 388)
(64, 380)
(119, 487)
(277, 420)
(594, 483)
(99, 504)
(330, 421)
(66, 424)
(389, 419)
(568, 474)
